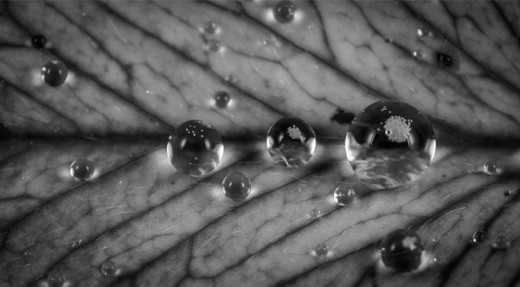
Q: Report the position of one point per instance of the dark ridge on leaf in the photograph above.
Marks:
(342, 117)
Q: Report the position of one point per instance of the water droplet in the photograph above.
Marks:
(492, 168)
(213, 45)
(38, 41)
(56, 279)
(315, 213)
(291, 142)
(108, 268)
(222, 99)
(423, 32)
(343, 195)
(236, 186)
(82, 169)
(478, 237)
(271, 40)
(211, 28)
(230, 79)
(284, 11)
(388, 39)
(54, 73)
(77, 243)
(500, 243)
(507, 192)
(402, 250)
(196, 148)
(389, 143)
(417, 53)
(321, 249)
(444, 60)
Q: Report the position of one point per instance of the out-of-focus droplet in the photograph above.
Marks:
(492, 168)
(402, 250)
(82, 169)
(230, 79)
(389, 143)
(270, 40)
(38, 41)
(108, 268)
(478, 237)
(211, 28)
(500, 243)
(54, 73)
(388, 39)
(423, 32)
(291, 142)
(56, 279)
(417, 54)
(196, 148)
(344, 195)
(284, 11)
(213, 45)
(77, 243)
(315, 213)
(222, 99)
(236, 186)
(444, 60)
(507, 193)
(321, 250)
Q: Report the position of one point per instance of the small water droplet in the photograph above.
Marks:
(54, 73)
(417, 53)
(213, 45)
(344, 195)
(38, 41)
(222, 99)
(230, 79)
(284, 11)
(500, 243)
(270, 40)
(321, 249)
(27, 253)
(108, 268)
(492, 168)
(423, 32)
(236, 186)
(507, 192)
(82, 169)
(478, 237)
(444, 60)
(291, 142)
(211, 28)
(77, 243)
(388, 39)
(56, 279)
(315, 213)
(402, 250)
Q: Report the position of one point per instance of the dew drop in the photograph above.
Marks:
(321, 250)
(492, 168)
(291, 142)
(478, 237)
(56, 279)
(284, 11)
(54, 73)
(389, 143)
(230, 79)
(500, 243)
(315, 213)
(344, 195)
(196, 148)
(211, 28)
(417, 54)
(423, 32)
(38, 41)
(507, 193)
(444, 60)
(402, 250)
(213, 45)
(222, 99)
(82, 169)
(108, 268)
(236, 186)
(270, 40)
(388, 39)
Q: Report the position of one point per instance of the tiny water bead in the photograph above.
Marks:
(284, 11)
(54, 73)
(423, 32)
(213, 45)
(402, 250)
(417, 54)
(211, 28)
(444, 60)
(344, 195)
(291, 142)
(500, 243)
(108, 268)
(315, 213)
(82, 169)
(196, 148)
(236, 186)
(389, 143)
(222, 99)
(321, 250)
(478, 237)
(38, 41)
(492, 168)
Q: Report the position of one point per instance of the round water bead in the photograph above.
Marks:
(54, 73)
(56, 279)
(236, 186)
(108, 268)
(82, 169)
(284, 11)
(402, 250)
(211, 28)
(38, 41)
(478, 237)
(444, 60)
(492, 168)
(389, 143)
(321, 249)
(196, 148)
(291, 142)
(343, 195)
(222, 99)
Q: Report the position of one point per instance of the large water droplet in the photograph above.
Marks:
(500, 243)
(492, 168)
(478, 237)
(38, 41)
(236, 186)
(196, 148)
(389, 143)
(321, 250)
(54, 73)
(402, 250)
(344, 195)
(284, 11)
(108, 268)
(423, 32)
(82, 169)
(291, 142)
(222, 99)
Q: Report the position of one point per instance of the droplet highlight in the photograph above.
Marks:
(222, 99)
(423, 32)
(344, 195)
(417, 53)
(195, 148)
(54, 73)
(291, 142)
(402, 250)
(236, 186)
(389, 143)
(284, 11)
(108, 268)
(82, 169)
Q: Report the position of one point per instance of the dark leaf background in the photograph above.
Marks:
(138, 69)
